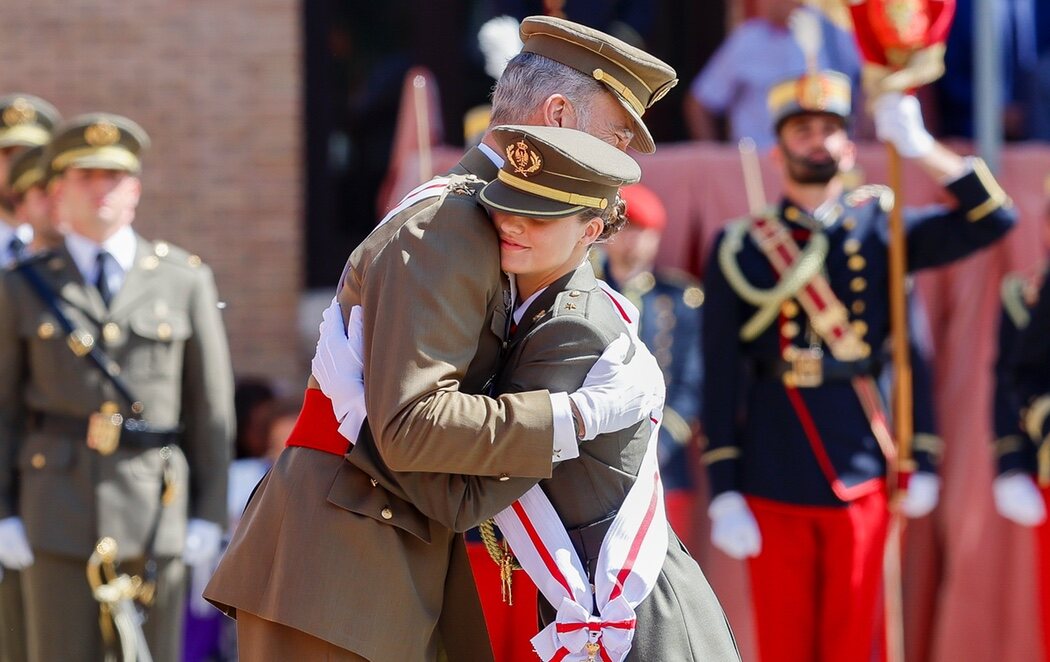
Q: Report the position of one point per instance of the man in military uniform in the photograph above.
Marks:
(115, 403)
(25, 121)
(27, 184)
(669, 323)
(1022, 399)
(796, 301)
(435, 323)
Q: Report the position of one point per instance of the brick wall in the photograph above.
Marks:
(216, 83)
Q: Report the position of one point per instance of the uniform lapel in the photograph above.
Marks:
(65, 278)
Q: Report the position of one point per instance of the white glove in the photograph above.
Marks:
(15, 552)
(922, 495)
(733, 527)
(616, 395)
(338, 365)
(898, 121)
(1018, 499)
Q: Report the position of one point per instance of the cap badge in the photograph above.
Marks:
(19, 112)
(524, 160)
(101, 134)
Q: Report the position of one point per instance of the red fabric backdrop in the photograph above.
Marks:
(969, 578)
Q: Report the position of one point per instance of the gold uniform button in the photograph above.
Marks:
(386, 513)
(150, 262)
(161, 249)
(865, 350)
(194, 260)
(849, 223)
(789, 330)
(46, 330)
(111, 332)
(860, 327)
(858, 284)
(858, 307)
(574, 293)
(789, 308)
(164, 331)
(504, 477)
(38, 461)
(851, 246)
(857, 262)
(792, 213)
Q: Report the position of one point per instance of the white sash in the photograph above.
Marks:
(630, 559)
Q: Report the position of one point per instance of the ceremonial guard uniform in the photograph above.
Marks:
(796, 302)
(357, 568)
(115, 409)
(670, 321)
(1021, 406)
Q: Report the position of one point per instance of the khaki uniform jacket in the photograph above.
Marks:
(555, 344)
(331, 546)
(165, 332)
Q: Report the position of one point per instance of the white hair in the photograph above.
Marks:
(529, 79)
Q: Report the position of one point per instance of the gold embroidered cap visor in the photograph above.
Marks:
(97, 140)
(825, 92)
(636, 78)
(553, 172)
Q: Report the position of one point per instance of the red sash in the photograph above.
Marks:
(317, 427)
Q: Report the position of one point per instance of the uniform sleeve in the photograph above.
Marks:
(723, 363)
(685, 396)
(1013, 450)
(12, 408)
(207, 403)
(983, 215)
(556, 356)
(1031, 365)
(425, 299)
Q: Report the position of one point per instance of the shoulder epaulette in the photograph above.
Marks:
(170, 254)
(871, 192)
(570, 302)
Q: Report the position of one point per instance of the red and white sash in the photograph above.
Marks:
(629, 561)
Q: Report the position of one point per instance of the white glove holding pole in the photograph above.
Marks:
(898, 121)
(338, 365)
(15, 552)
(1018, 499)
(733, 526)
(616, 395)
(922, 495)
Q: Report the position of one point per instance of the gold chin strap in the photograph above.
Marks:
(552, 193)
(625, 92)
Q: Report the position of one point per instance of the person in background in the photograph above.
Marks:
(670, 320)
(760, 52)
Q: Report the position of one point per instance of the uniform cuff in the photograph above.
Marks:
(566, 445)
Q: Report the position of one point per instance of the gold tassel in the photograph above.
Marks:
(501, 556)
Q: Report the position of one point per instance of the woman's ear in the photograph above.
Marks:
(592, 229)
(559, 111)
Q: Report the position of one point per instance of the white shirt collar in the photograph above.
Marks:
(121, 246)
(491, 153)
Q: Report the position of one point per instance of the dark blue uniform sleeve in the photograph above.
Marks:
(723, 362)
(1013, 450)
(1031, 357)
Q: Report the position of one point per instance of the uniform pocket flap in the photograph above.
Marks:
(44, 455)
(354, 490)
(173, 326)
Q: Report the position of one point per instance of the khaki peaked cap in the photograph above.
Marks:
(97, 140)
(553, 172)
(636, 78)
(26, 120)
(27, 170)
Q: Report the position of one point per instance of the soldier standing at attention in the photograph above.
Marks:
(797, 299)
(1022, 402)
(669, 324)
(115, 403)
(25, 121)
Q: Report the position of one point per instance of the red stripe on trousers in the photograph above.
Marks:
(816, 583)
(1042, 536)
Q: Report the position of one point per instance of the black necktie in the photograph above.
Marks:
(102, 283)
(16, 247)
